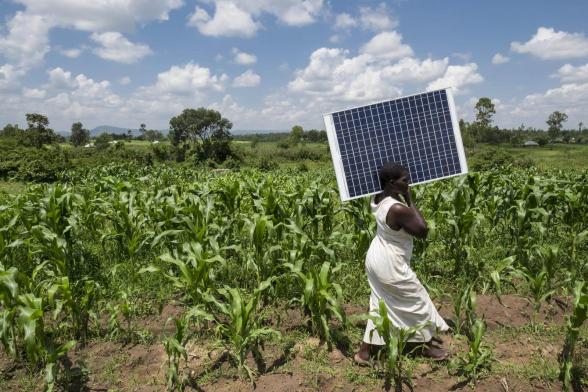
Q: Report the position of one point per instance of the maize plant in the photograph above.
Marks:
(175, 348)
(538, 284)
(237, 324)
(22, 327)
(526, 221)
(464, 307)
(190, 271)
(573, 323)
(502, 268)
(462, 218)
(395, 340)
(321, 297)
(478, 357)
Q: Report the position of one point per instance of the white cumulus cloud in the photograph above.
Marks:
(499, 58)
(27, 40)
(548, 44)
(247, 79)
(239, 18)
(376, 19)
(569, 73)
(187, 79)
(333, 77)
(457, 76)
(10, 77)
(59, 78)
(228, 21)
(116, 47)
(101, 15)
(387, 45)
(33, 93)
(345, 21)
(71, 53)
(243, 58)
(570, 98)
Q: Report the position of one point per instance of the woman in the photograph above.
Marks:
(388, 267)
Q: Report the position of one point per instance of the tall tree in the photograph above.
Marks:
(142, 129)
(79, 135)
(555, 123)
(484, 111)
(38, 133)
(296, 134)
(205, 130)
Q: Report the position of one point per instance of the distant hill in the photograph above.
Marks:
(254, 131)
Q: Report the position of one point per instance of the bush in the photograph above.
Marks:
(233, 163)
(161, 152)
(32, 164)
(102, 141)
(266, 164)
(493, 158)
(302, 167)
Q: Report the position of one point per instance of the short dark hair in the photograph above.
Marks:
(390, 171)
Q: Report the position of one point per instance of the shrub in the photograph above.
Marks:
(494, 158)
(266, 164)
(42, 165)
(161, 152)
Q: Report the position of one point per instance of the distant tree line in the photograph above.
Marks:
(297, 134)
(201, 134)
(482, 129)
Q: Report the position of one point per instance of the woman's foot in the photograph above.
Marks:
(434, 353)
(427, 350)
(363, 355)
(360, 360)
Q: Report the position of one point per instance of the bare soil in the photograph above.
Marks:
(525, 358)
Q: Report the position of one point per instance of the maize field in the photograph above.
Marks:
(88, 258)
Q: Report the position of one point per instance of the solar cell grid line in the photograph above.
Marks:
(420, 132)
(430, 130)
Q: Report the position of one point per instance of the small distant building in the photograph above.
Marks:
(89, 145)
(530, 143)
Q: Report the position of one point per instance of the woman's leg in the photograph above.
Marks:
(364, 352)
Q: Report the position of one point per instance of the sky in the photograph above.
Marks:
(272, 64)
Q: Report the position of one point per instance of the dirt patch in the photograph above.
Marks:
(524, 355)
(512, 311)
(158, 324)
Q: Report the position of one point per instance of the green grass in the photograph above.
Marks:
(553, 156)
(12, 187)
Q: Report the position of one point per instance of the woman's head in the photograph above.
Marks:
(391, 173)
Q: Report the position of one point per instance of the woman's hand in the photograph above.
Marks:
(407, 196)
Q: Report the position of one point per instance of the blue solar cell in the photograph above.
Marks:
(415, 131)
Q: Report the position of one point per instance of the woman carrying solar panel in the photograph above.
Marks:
(388, 268)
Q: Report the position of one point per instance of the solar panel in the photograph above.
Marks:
(420, 132)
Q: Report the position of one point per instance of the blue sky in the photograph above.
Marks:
(269, 65)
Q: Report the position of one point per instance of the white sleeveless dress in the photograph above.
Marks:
(390, 277)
